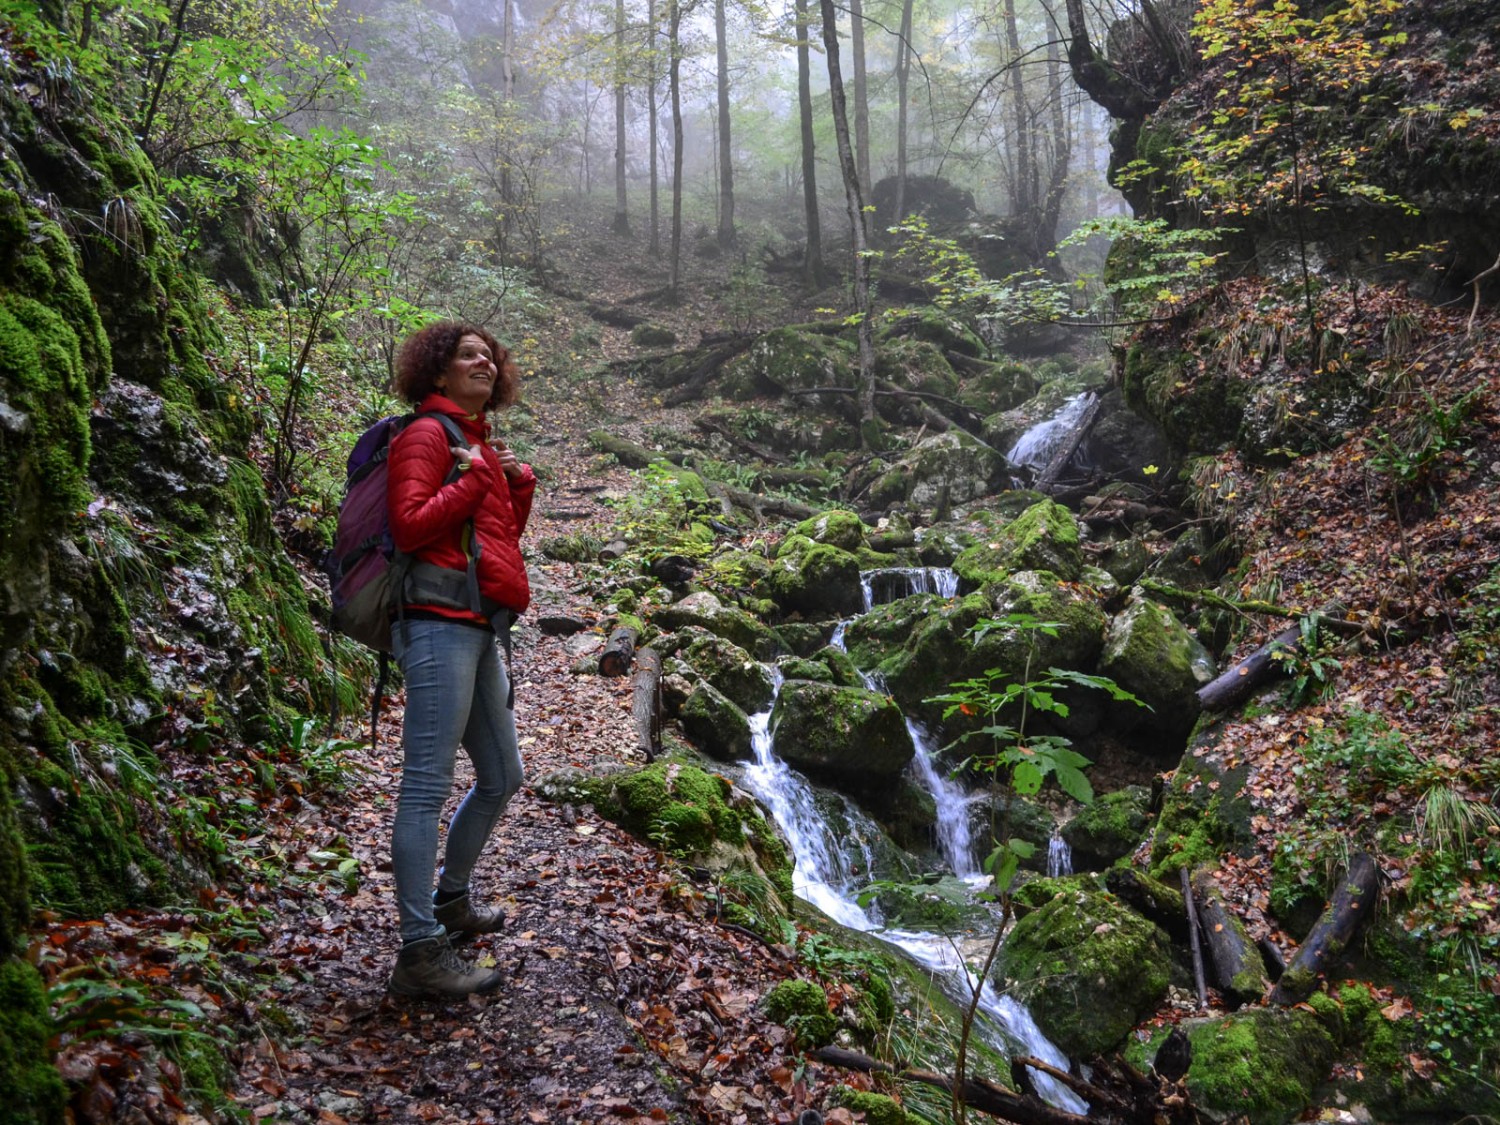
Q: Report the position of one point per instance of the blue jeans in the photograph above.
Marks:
(456, 688)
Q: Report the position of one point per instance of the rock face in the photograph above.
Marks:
(1088, 969)
(1043, 537)
(814, 578)
(848, 735)
(1262, 1062)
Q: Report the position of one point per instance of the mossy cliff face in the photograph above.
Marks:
(139, 573)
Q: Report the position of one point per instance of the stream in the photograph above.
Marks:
(829, 873)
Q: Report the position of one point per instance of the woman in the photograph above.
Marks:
(458, 511)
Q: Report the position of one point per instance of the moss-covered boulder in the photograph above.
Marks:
(848, 735)
(944, 905)
(1044, 537)
(794, 360)
(1109, 828)
(1151, 654)
(936, 327)
(836, 528)
(688, 812)
(743, 680)
(801, 1006)
(1205, 811)
(814, 578)
(916, 365)
(706, 611)
(1261, 1062)
(947, 468)
(33, 1090)
(1088, 968)
(717, 727)
(875, 1109)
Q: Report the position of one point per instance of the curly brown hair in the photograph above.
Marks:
(425, 355)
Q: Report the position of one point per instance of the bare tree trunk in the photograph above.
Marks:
(674, 81)
(507, 95)
(726, 169)
(812, 257)
(1022, 188)
(861, 92)
(654, 249)
(1062, 144)
(903, 76)
(621, 224)
(861, 242)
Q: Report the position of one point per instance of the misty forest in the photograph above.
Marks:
(1014, 564)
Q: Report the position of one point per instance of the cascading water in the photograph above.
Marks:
(829, 875)
(894, 583)
(1059, 857)
(1037, 445)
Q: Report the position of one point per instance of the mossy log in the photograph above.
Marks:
(1353, 905)
(631, 454)
(758, 504)
(769, 456)
(1239, 972)
(645, 702)
(619, 652)
(1239, 683)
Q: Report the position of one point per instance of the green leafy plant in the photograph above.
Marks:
(1309, 663)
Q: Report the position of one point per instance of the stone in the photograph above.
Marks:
(1043, 537)
(850, 735)
(1108, 829)
(715, 724)
(1149, 653)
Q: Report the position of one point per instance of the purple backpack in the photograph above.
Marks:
(365, 571)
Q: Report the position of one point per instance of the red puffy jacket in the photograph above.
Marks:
(428, 517)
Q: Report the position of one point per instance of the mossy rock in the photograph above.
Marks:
(835, 527)
(1151, 654)
(1205, 812)
(801, 1006)
(578, 547)
(1044, 537)
(876, 1109)
(1033, 892)
(795, 360)
(34, 1092)
(1124, 559)
(993, 816)
(652, 336)
(743, 680)
(708, 612)
(944, 906)
(1262, 1062)
(717, 727)
(952, 468)
(935, 327)
(998, 386)
(916, 365)
(844, 734)
(688, 812)
(1088, 968)
(803, 638)
(1108, 829)
(814, 578)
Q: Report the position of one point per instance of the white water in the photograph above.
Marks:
(1037, 445)
(1059, 857)
(825, 876)
(894, 583)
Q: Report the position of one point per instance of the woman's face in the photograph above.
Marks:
(470, 375)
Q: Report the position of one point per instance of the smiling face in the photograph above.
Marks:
(470, 375)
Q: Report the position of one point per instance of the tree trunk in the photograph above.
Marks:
(1023, 182)
(621, 225)
(674, 81)
(859, 239)
(619, 652)
(1064, 454)
(1353, 905)
(726, 167)
(1239, 972)
(645, 702)
(654, 247)
(903, 77)
(1236, 685)
(812, 257)
(861, 92)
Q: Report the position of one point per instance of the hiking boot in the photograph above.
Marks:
(463, 920)
(430, 968)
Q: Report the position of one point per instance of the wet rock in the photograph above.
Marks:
(1149, 653)
(850, 735)
(1109, 828)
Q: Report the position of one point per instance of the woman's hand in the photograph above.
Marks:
(466, 457)
(509, 463)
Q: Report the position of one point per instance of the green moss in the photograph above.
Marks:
(33, 1090)
(801, 1006)
(1261, 1062)
(836, 527)
(878, 1109)
(1043, 537)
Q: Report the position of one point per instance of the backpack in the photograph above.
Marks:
(369, 579)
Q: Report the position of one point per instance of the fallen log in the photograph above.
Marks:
(769, 456)
(619, 651)
(691, 385)
(1237, 684)
(1239, 972)
(757, 504)
(631, 454)
(1353, 905)
(1193, 931)
(645, 702)
(1064, 454)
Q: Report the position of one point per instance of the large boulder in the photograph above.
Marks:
(706, 611)
(1108, 829)
(1149, 653)
(743, 680)
(1043, 537)
(850, 735)
(835, 527)
(715, 724)
(1260, 1062)
(1088, 968)
(814, 578)
(950, 465)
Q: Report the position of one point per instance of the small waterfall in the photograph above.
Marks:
(954, 839)
(1059, 857)
(1037, 445)
(894, 583)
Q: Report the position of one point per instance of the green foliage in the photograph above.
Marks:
(802, 1008)
(1410, 454)
(33, 1090)
(658, 516)
(1310, 664)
